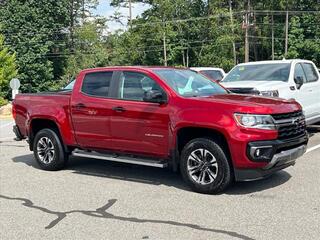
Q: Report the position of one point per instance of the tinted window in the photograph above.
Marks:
(260, 72)
(213, 74)
(97, 84)
(310, 72)
(133, 85)
(299, 73)
(188, 83)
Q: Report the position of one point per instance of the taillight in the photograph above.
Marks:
(14, 111)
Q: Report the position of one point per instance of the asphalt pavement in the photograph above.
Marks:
(95, 199)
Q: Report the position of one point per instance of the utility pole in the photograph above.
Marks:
(72, 20)
(130, 13)
(233, 43)
(187, 57)
(247, 25)
(164, 48)
(287, 28)
(272, 37)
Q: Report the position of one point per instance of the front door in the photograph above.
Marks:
(313, 88)
(309, 92)
(139, 127)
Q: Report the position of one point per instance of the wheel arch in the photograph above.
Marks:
(186, 134)
(37, 124)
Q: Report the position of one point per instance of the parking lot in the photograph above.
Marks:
(94, 199)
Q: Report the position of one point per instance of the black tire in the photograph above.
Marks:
(221, 167)
(59, 158)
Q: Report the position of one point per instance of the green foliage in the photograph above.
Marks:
(3, 101)
(54, 40)
(302, 43)
(8, 69)
(34, 31)
(200, 33)
(89, 50)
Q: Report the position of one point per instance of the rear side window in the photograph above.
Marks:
(310, 72)
(97, 84)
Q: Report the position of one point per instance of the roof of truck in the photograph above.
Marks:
(205, 68)
(275, 61)
(133, 67)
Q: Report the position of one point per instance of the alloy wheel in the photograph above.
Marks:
(202, 166)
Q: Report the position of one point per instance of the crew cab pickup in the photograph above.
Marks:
(297, 79)
(163, 117)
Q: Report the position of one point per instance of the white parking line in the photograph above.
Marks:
(5, 125)
(313, 148)
(6, 139)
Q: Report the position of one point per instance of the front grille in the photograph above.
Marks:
(290, 125)
(244, 91)
(287, 115)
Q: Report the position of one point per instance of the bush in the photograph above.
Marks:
(3, 101)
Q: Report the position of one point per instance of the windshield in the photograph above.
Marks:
(188, 83)
(70, 85)
(259, 72)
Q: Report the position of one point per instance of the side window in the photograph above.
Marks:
(133, 85)
(298, 72)
(311, 73)
(97, 83)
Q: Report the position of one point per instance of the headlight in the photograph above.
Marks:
(255, 121)
(272, 93)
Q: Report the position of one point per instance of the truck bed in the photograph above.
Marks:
(44, 105)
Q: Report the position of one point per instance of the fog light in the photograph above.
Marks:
(261, 153)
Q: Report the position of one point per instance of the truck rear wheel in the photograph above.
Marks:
(205, 167)
(48, 150)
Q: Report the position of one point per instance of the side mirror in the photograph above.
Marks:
(154, 96)
(299, 81)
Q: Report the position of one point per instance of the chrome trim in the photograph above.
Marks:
(289, 121)
(287, 156)
(123, 159)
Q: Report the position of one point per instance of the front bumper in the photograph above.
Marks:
(264, 151)
(279, 161)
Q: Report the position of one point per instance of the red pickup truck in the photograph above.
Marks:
(163, 117)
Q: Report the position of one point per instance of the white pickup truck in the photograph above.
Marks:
(297, 79)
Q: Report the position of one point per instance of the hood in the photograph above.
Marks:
(251, 104)
(259, 85)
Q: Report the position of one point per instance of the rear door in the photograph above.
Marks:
(91, 110)
(139, 127)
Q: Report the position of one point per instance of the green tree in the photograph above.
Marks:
(89, 50)
(35, 30)
(8, 69)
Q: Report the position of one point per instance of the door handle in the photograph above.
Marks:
(118, 109)
(79, 106)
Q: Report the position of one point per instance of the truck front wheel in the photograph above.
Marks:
(205, 167)
(48, 150)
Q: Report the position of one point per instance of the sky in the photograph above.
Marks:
(104, 9)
